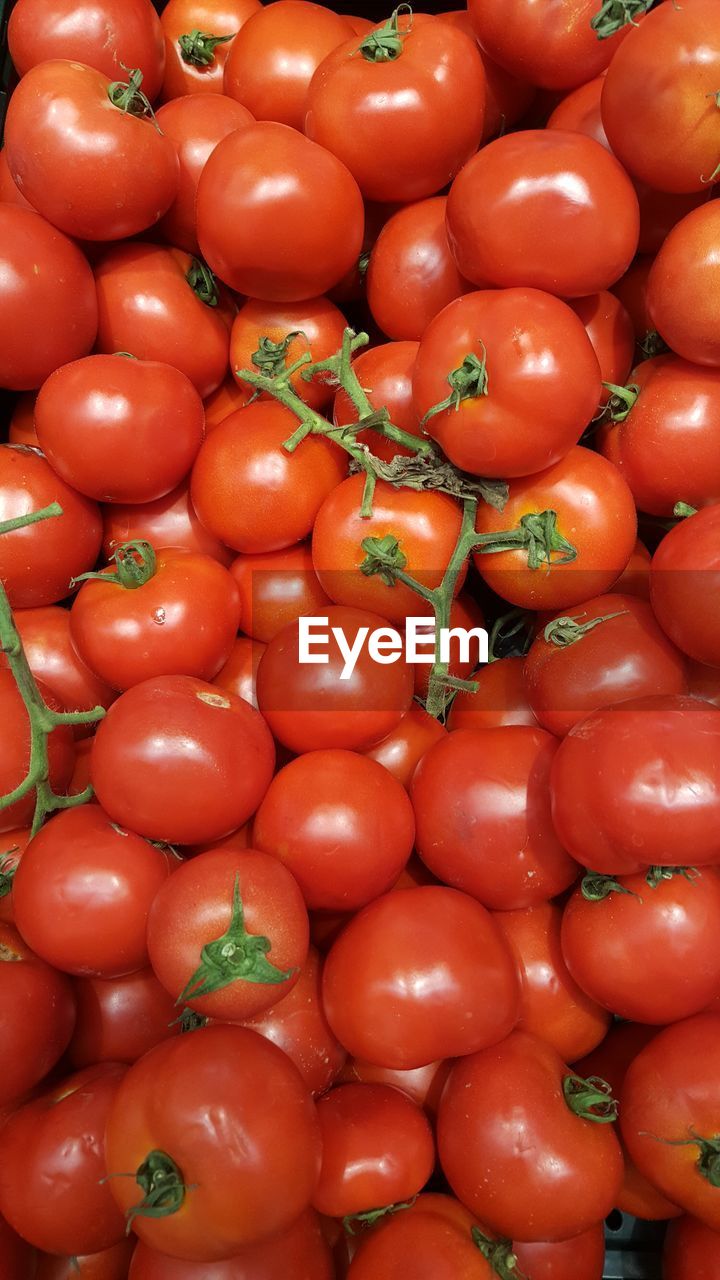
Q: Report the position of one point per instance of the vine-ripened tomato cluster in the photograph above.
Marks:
(320, 961)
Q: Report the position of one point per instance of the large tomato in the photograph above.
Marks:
(224, 1138)
(385, 374)
(52, 658)
(313, 327)
(423, 1084)
(507, 98)
(16, 748)
(119, 1019)
(580, 1258)
(167, 522)
(37, 1015)
(108, 1264)
(198, 38)
(685, 585)
(691, 1251)
(683, 288)
(299, 1251)
(276, 588)
(433, 1239)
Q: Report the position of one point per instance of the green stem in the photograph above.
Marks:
(536, 534)
(198, 47)
(162, 1182)
(683, 509)
(563, 632)
(352, 1221)
(707, 1163)
(128, 96)
(499, 1254)
(622, 400)
(613, 15)
(468, 382)
(655, 875)
(386, 44)
(590, 1099)
(135, 564)
(203, 282)
(596, 888)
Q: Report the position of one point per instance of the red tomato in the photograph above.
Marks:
(423, 1084)
(568, 559)
(509, 358)
(275, 589)
(385, 374)
(683, 289)
(36, 1016)
(431, 1240)
(83, 891)
(22, 423)
(45, 635)
(12, 848)
(239, 674)
(403, 749)
(149, 306)
(635, 577)
(271, 64)
(228, 397)
(257, 221)
(660, 211)
(9, 192)
(631, 289)
(119, 1019)
(420, 975)
(691, 1251)
(581, 1258)
(48, 311)
(300, 1251)
(507, 99)
(310, 706)
(704, 682)
(221, 1098)
(499, 700)
(71, 146)
(579, 112)
(109, 1264)
(684, 585)
(638, 784)
(167, 522)
(195, 58)
(412, 274)
(179, 761)
(314, 327)
(610, 330)
(514, 1150)
(15, 752)
(545, 209)
(109, 35)
(18, 1256)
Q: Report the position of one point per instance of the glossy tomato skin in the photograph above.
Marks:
(239, 674)
(71, 150)
(310, 707)
(691, 1251)
(385, 374)
(431, 1240)
(300, 1251)
(271, 64)
(595, 513)
(252, 494)
(109, 35)
(108, 1264)
(262, 237)
(341, 824)
(412, 274)
(276, 588)
(581, 1258)
(9, 192)
(507, 99)
(181, 761)
(32, 342)
(36, 1018)
(318, 326)
(423, 1084)
(15, 751)
(147, 307)
(12, 847)
(547, 229)
(580, 111)
(269, 1141)
(83, 891)
(555, 48)
(22, 422)
(638, 784)
(610, 330)
(684, 582)
(683, 289)
(119, 1019)
(500, 698)
(540, 365)
(52, 657)
(403, 749)
(18, 1256)
(380, 999)
(482, 810)
(509, 1144)
(228, 397)
(211, 17)
(167, 522)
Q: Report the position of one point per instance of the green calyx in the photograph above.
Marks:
(128, 96)
(562, 632)
(708, 1162)
(386, 44)
(468, 382)
(8, 867)
(590, 1099)
(621, 400)
(656, 875)
(198, 47)
(353, 1221)
(511, 635)
(596, 888)
(271, 357)
(202, 282)
(135, 564)
(384, 557)
(537, 535)
(613, 15)
(499, 1253)
(164, 1190)
(235, 956)
(683, 509)
(188, 1020)
(653, 345)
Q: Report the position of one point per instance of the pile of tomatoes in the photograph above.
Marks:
(310, 972)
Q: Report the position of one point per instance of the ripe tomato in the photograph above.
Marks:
(631, 289)
(579, 112)
(196, 123)
(119, 1019)
(516, 1152)
(571, 671)
(49, 311)
(385, 374)
(45, 635)
(420, 975)
(91, 147)
(430, 1240)
(12, 848)
(684, 584)
(610, 330)
(195, 59)
(507, 99)
(581, 1258)
(638, 784)
(36, 1016)
(683, 289)
(423, 1084)
(219, 1187)
(299, 1251)
(635, 577)
(310, 706)
(315, 327)
(402, 750)
(691, 1251)
(239, 674)
(179, 761)
(22, 422)
(271, 64)
(149, 306)
(59, 1137)
(9, 193)
(15, 752)
(167, 522)
(412, 274)
(228, 397)
(109, 35)
(566, 559)
(83, 891)
(553, 1006)
(257, 203)
(341, 824)
(275, 589)
(108, 1264)
(544, 209)
(499, 700)
(19, 1258)
(510, 357)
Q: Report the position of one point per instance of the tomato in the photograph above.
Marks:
(109, 35)
(658, 102)
(108, 1264)
(309, 706)
(299, 1251)
(198, 65)
(423, 1084)
(9, 192)
(12, 847)
(608, 650)
(275, 589)
(610, 330)
(683, 289)
(57, 1139)
(45, 635)
(412, 274)
(669, 1114)
(499, 700)
(91, 148)
(119, 1019)
(341, 824)
(228, 397)
(271, 63)
(36, 1015)
(691, 1251)
(385, 374)
(631, 289)
(581, 1258)
(239, 674)
(467, 616)
(149, 307)
(196, 123)
(545, 209)
(684, 583)
(555, 48)
(565, 560)
(660, 211)
(638, 784)
(516, 1152)
(17, 1255)
(580, 112)
(430, 1240)
(419, 975)
(167, 522)
(83, 891)
(229, 1184)
(257, 201)
(15, 752)
(635, 577)
(509, 357)
(314, 327)
(403, 749)
(553, 1006)
(177, 760)
(507, 99)
(48, 312)
(22, 422)
(426, 524)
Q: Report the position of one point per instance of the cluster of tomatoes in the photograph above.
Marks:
(313, 970)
